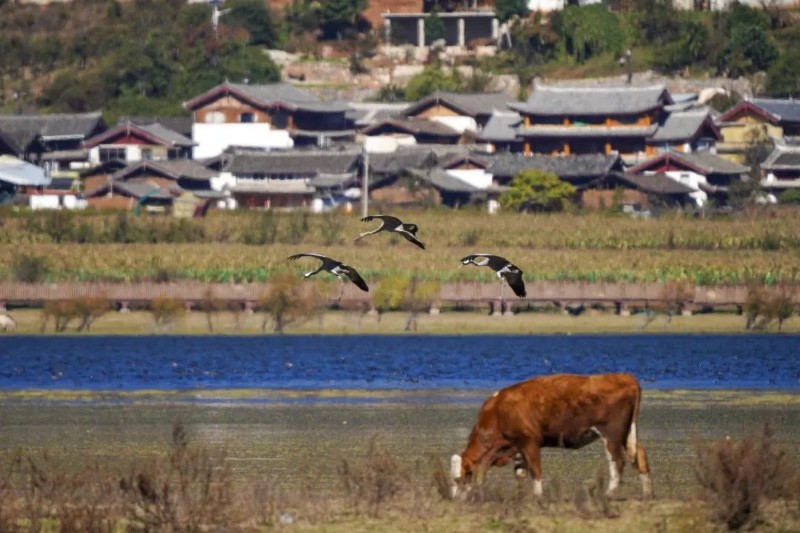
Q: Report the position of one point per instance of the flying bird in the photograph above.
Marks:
(504, 269)
(337, 268)
(390, 223)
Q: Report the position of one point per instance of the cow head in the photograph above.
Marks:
(461, 474)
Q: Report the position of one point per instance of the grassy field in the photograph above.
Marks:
(762, 246)
(284, 453)
(449, 322)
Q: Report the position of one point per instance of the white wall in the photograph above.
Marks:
(476, 177)
(213, 139)
(458, 123)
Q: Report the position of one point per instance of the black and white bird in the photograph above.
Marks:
(337, 268)
(390, 223)
(504, 269)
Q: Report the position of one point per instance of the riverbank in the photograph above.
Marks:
(285, 460)
(29, 322)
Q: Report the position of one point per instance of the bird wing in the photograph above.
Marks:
(389, 222)
(478, 259)
(324, 258)
(514, 280)
(355, 277)
(411, 238)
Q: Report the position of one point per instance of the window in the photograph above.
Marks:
(147, 154)
(112, 154)
(215, 117)
(248, 117)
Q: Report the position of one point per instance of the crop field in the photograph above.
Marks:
(761, 246)
(346, 461)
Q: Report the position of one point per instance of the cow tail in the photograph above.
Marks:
(632, 442)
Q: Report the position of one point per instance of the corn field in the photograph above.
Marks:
(246, 246)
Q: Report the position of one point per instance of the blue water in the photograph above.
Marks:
(392, 362)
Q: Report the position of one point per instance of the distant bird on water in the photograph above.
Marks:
(337, 268)
(390, 223)
(504, 269)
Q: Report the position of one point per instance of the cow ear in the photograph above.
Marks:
(455, 466)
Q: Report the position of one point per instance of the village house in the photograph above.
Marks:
(757, 120)
(130, 142)
(708, 175)
(781, 170)
(271, 116)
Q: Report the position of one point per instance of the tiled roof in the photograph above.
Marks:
(324, 181)
(782, 158)
(501, 126)
(23, 129)
(402, 159)
(306, 163)
(787, 110)
(414, 126)
(576, 166)
(684, 125)
(653, 183)
(136, 189)
(181, 124)
(701, 162)
(155, 133)
(174, 169)
(556, 100)
(364, 114)
(269, 95)
(442, 180)
(297, 186)
(470, 104)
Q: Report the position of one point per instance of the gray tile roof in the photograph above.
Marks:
(681, 125)
(181, 124)
(576, 166)
(23, 129)
(470, 104)
(158, 135)
(175, 169)
(782, 158)
(297, 162)
(269, 95)
(443, 181)
(136, 189)
(787, 110)
(364, 114)
(326, 181)
(414, 126)
(555, 100)
(657, 183)
(297, 186)
(501, 127)
(401, 160)
(712, 163)
(171, 136)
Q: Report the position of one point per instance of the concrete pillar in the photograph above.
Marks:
(387, 30)
(462, 40)
(687, 309)
(124, 306)
(622, 309)
(249, 307)
(496, 308)
(434, 310)
(495, 29)
(508, 311)
(421, 32)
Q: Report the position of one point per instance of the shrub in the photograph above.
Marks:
(736, 477)
(286, 302)
(166, 311)
(88, 309)
(264, 230)
(374, 480)
(31, 268)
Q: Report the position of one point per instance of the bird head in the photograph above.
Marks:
(411, 228)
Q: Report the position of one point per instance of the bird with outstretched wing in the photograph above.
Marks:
(390, 223)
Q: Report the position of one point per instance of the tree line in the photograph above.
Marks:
(148, 56)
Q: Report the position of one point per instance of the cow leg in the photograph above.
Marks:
(615, 453)
(644, 471)
(533, 457)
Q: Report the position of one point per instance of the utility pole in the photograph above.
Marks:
(365, 185)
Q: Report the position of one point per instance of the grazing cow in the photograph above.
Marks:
(564, 410)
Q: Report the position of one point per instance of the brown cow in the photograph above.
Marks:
(564, 410)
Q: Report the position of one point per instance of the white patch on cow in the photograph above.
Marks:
(455, 466)
(537, 487)
(631, 443)
(613, 471)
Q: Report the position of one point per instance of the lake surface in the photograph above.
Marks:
(129, 363)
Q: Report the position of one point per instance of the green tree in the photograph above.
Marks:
(748, 50)
(338, 17)
(505, 9)
(432, 79)
(536, 190)
(434, 27)
(256, 18)
(587, 31)
(690, 48)
(783, 77)
(790, 196)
